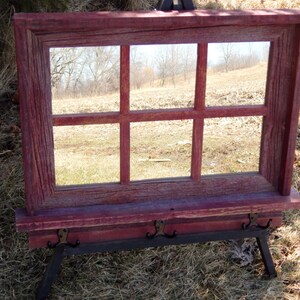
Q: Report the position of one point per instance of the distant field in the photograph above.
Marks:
(90, 153)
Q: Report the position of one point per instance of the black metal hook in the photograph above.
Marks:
(160, 231)
(62, 239)
(253, 223)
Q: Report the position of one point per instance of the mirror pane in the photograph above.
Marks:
(85, 79)
(237, 73)
(231, 145)
(161, 149)
(162, 76)
(86, 154)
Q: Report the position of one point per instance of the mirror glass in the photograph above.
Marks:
(86, 154)
(85, 79)
(162, 76)
(231, 145)
(237, 73)
(161, 149)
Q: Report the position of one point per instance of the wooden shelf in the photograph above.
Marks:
(133, 213)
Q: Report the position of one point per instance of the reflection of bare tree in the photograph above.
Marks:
(236, 57)
(140, 70)
(174, 60)
(168, 63)
(104, 68)
(162, 64)
(84, 71)
(74, 70)
(58, 65)
(228, 53)
(66, 68)
(189, 58)
(88, 71)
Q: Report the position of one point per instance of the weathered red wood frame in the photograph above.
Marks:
(204, 199)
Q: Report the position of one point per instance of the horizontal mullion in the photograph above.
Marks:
(235, 111)
(159, 115)
(86, 119)
(164, 115)
(133, 116)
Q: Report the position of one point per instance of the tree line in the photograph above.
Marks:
(90, 71)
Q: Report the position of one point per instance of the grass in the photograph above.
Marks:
(214, 270)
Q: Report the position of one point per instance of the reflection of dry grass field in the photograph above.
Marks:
(89, 154)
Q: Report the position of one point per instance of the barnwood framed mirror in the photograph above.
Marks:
(121, 189)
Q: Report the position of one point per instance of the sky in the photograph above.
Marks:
(215, 55)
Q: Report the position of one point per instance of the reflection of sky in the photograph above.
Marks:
(84, 64)
(215, 52)
(150, 53)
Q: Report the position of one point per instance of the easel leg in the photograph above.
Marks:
(266, 256)
(51, 272)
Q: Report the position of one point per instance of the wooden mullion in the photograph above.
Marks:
(235, 111)
(197, 143)
(86, 119)
(159, 115)
(198, 124)
(124, 110)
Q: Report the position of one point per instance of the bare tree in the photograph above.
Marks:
(168, 63)
(189, 58)
(104, 68)
(138, 66)
(162, 65)
(174, 62)
(227, 54)
(58, 62)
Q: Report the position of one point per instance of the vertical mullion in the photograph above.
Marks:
(124, 109)
(198, 124)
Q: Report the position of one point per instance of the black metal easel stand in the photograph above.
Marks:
(63, 248)
(175, 5)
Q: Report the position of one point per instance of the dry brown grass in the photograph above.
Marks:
(8, 72)
(203, 271)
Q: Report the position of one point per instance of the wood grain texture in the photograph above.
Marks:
(45, 22)
(199, 105)
(37, 138)
(124, 109)
(94, 29)
(24, 81)
(158, 190)
(49, 207)
(104, 215)
(159, 115)
(39, 239)
(160, 35)
(290, 135)
(279, 101)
